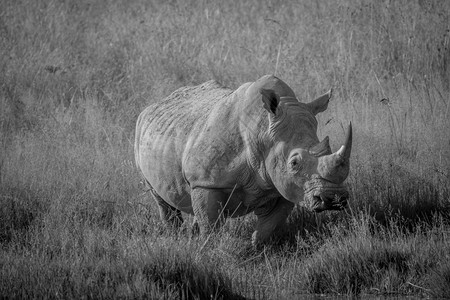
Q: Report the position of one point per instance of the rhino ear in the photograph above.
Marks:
(270, 99)
(320, 104)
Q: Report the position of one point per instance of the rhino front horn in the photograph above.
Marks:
(346, 149)
(336, 166)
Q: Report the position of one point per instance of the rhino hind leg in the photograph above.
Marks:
(168, 213)
(271, 217)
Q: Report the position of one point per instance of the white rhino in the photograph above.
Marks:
(213, 152)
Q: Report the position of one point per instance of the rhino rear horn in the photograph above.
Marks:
(322, 148)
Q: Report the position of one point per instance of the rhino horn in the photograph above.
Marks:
(322, 148)
(346, 149)
(336, 166)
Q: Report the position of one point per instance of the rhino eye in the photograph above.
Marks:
(294, 165)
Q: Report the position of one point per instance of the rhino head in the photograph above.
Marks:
(299, 166)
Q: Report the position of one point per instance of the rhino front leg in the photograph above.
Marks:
(168, 214)
(271, 217)
(208, 209)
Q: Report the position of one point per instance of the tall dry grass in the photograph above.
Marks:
(75, 75)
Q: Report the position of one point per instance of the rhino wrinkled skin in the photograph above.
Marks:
(213, 152)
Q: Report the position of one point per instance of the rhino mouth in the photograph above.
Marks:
(322, 202)
(322, 195)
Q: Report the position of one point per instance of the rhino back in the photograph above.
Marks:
(163, 132)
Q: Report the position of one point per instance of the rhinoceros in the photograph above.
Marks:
(214, 152)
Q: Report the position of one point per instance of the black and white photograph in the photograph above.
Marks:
(208, 149)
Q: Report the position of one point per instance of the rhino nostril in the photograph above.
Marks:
(319, 204)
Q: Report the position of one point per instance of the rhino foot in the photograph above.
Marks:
(271, 217)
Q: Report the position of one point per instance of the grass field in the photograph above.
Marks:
(75, 75)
